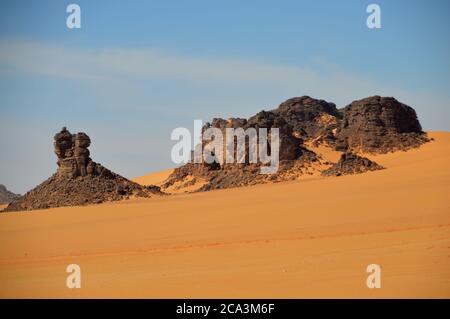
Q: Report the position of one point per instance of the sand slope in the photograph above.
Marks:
(310, 238)
(153, 178)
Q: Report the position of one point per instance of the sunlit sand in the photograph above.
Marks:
(306, 238)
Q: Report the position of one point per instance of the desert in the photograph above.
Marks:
(300, 238)
(214, 158)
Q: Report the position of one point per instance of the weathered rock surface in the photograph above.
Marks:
(6, 196)
(78, 180)
(310, 118)
(235, 175)
(289, 144)
(294, 158)
(350, 163)
(374, 124)
(371, 125)
(379, 125)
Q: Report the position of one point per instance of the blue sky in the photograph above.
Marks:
(138, 69)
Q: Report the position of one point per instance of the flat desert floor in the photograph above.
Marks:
(311, 238)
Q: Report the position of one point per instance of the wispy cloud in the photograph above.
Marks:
(112, 64)
(124, 66)
(87, 64)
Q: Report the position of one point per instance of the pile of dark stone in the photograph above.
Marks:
(6, 196)
(78, 180)
(350, 163)
(371, 125)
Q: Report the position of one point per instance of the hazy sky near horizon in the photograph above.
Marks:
(138, 69)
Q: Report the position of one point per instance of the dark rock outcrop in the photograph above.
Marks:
(375, 124)
(350, 163)
(294, 158)
(371, 125)
(310, 118)
(289, 144)
(78, 180)
(236, 175)
(6, 196)
(379, 125)
(73, 156)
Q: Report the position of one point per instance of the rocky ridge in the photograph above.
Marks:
(78, 180)
(350, 163)
(6, 196)
(371, 125)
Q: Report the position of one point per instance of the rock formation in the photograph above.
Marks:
(6, 196)
(310, 118)
(290, 144)
(350, 163)
(371, 125)
(295, 159)
(379, 125)
(374, 124)
(78, 180)
(73, 156)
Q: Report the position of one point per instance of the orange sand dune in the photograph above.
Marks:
(310, 238)
(177, 188)
(154, 178)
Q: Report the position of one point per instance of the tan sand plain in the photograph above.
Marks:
(311, 238)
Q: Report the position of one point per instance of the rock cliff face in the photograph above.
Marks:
(294, 158)
(78, 180)
(373, 124)
(310, 119)
(379, 125)
(290, 145)
(6, 196)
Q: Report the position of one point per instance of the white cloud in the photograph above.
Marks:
(122, 66)
(114, 64)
